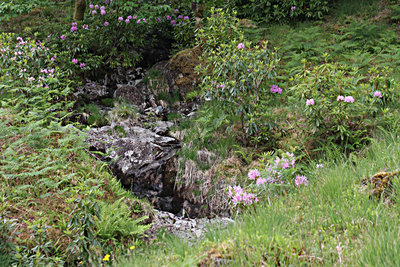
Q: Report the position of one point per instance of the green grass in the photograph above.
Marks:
(36, 18)
(332, 221)
(345, 8)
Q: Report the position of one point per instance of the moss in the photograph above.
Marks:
(185, 63)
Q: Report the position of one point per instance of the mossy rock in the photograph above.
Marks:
(382, 183)
(183, 64)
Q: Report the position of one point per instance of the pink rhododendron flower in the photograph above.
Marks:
(340, 98)
(293, 8)
(82, 65)
(240, 46)
(94, 12)
(253, 174)
(75, 61)
(129, 17)
(91, 6)
(120, 19)
(310, 102)
(238, 189)
(63, 37)
(102, 12)
(106, 23)
(173, 22)
(186, 17)
(127, 21)
(301, 180)
(96, 6)
(275, 89)
(349, 99)
(378, 94)
(261, 181)
(285, 165)
(85, 26)
(319, 166)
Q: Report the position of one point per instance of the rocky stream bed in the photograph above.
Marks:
(142, 146)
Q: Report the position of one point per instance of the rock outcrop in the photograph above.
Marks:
(177, 74)
(143, 161)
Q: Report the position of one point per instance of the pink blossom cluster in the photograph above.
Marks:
(300, 180)
(275, 89)
(347, 99)
(253, 174)
(287, 161)
(268, 180)
(27, 50)
(378, 94)
(319, 166)
(51, 71)
(239, 196)
(74, 27)
(310, 102)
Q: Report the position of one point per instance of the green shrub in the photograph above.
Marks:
(235, 72)
(341, 105)
(117, 32)
(115, 222)
(282, 10)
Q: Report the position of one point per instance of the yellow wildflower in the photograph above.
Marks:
(132, 247)
(106, 257)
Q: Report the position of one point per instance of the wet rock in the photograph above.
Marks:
(162, 127)
(183, 65)
(177, 74)
(135, 95)
(143, 162)
(186, 228)
(178, 135)
(92, 91)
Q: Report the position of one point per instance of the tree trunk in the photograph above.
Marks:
(80, 7)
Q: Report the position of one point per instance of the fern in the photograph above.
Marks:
(115, 221)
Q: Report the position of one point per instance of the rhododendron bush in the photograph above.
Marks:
(115, 33)
(341, 104)
(238, 74)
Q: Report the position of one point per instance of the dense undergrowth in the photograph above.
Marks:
(312, 92)
(55, 195)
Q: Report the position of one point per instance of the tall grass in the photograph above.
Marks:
(333, 221)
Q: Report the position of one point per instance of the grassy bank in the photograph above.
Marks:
(333, 221)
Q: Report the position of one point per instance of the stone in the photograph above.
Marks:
(143, 162)
(92, 90)
(162, 127)
(135, 95)
(183, 64)
(191, 230)
(177, 74)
